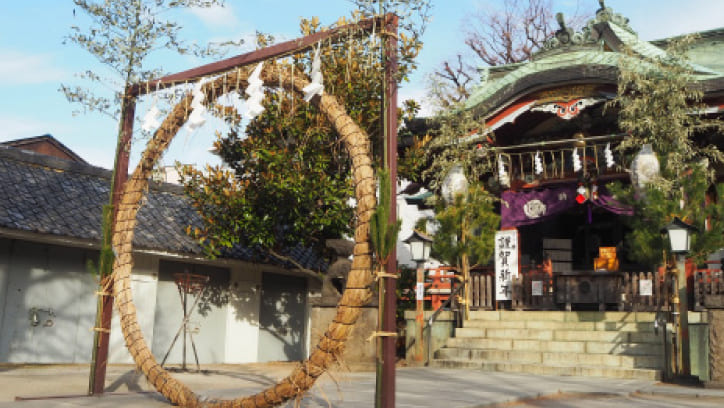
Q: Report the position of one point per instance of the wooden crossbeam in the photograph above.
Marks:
(274, 51)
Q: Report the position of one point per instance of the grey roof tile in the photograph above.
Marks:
(48, 195)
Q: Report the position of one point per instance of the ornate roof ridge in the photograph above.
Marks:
(566, 36)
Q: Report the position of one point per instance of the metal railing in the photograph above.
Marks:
(427, 328)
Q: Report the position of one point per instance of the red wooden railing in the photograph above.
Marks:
(709, 287)
(534, 289)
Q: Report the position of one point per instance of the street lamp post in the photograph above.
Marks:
(679, 234)
(420, 245)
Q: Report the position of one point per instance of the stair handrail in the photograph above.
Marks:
(428, 324)
(439, 310)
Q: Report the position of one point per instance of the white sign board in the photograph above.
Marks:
(646, 287)
(420, 291)
(506, 263)
(536, 288)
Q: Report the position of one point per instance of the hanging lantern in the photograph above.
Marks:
(538, 164)
(608, 154)
(644, 168)
(454, 183)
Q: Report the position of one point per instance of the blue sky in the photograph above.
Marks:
(34, 61)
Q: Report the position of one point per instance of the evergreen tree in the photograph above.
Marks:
(465, 222)
(290, 182)
(658, 105)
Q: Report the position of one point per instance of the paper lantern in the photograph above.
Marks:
(454, 183)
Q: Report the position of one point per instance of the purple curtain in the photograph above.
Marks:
(519, 208)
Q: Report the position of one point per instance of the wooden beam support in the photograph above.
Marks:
(275, 51)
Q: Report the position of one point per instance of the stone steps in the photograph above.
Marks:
(560, 335)
(602, 344)
(606, 360)
(577, 326)
(549, 369)
(561, 316)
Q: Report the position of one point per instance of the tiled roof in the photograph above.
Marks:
(574, 63)
(46, 195)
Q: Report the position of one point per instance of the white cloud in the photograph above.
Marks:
(18, 68)
(217, 16)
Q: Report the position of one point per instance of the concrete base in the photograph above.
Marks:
(434, 338)
(359, 354)
(714, 385)
(716, 346)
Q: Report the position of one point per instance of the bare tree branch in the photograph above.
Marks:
(507, 35)
(299, 266)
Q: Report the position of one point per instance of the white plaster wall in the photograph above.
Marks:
(242, 319)
(314, 291)
(144, 281)
(52, 281)
(5, 246)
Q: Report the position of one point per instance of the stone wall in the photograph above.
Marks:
(716, 347)
(434, 339)
(359, 354)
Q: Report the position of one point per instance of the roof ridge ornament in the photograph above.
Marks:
(606, 14)
(566, 36)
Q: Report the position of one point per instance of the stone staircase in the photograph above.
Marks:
(595, 344)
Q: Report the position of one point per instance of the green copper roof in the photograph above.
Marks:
(581, 57)
(648, 50)
(583, 54)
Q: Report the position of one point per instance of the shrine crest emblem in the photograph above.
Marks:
(534, 209)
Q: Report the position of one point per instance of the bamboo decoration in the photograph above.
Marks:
(356, 294)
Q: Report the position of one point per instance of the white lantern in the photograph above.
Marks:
(420, 245)
(454, 183)
(679, 235)
(644, 168)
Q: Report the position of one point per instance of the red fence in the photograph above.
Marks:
(535, 289)
(708, 288)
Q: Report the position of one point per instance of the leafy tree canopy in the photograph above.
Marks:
(121, 35)
(658, 105)
(466, 227)
(286, 179)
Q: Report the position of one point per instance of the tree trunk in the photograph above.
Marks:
(357, 293)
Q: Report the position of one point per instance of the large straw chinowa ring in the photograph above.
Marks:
(356, 294)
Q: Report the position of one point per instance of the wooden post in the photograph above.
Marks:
(420, 308)
(104, 312)
(389, 353)
(683, 335)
